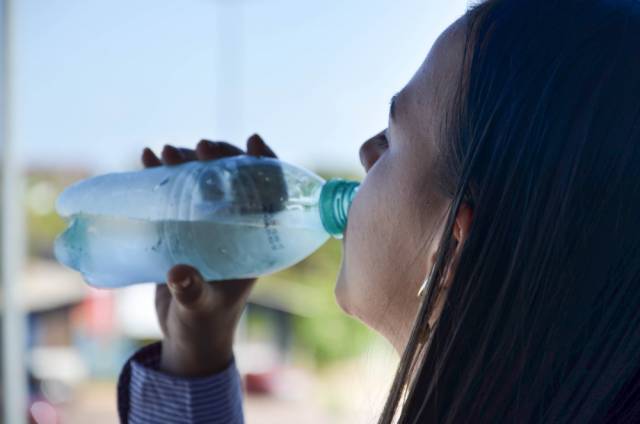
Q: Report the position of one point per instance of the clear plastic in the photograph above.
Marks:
(231, 218)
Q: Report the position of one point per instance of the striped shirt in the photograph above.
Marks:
(147, 395)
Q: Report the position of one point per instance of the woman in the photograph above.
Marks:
(509, 175)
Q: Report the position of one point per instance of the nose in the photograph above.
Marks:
(372, 149)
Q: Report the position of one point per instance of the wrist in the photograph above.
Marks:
(194, 361)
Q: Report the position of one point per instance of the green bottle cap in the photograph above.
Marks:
(335, 201)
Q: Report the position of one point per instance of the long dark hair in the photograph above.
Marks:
(542, 319)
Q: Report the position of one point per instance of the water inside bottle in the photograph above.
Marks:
(113, 251)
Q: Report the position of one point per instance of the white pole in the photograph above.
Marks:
(229, 92)
(14, 387)
(229, 72)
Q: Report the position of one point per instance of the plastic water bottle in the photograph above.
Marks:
(236, 217)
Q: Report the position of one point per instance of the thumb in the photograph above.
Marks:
(187, 286)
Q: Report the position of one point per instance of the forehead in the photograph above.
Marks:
(428, 92)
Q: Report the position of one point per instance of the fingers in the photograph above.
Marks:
(149, 159)
(170, 156)
(227, 149)
(205, 150)
(188, 154)
(188, 287)
(163, 300)
(257, 147)
(175, 156)
(208, 150)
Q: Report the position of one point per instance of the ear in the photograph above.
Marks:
(461, 228)
(462, 225)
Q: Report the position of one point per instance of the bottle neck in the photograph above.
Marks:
(335, 201)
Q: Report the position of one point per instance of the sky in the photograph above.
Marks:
(94, 82)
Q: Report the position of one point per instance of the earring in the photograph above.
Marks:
(423, 287)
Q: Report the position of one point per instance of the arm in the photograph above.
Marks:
(146, 394)
(190, 377)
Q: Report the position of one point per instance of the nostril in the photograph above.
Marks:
(372, 149)
(363, 156)
(363, 161)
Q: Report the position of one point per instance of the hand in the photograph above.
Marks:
(198, 319)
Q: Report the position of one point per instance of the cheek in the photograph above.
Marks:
(377, 250)
(358, 290)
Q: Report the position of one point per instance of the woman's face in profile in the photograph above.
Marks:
(387, 246)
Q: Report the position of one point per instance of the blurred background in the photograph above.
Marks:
(86, 85)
